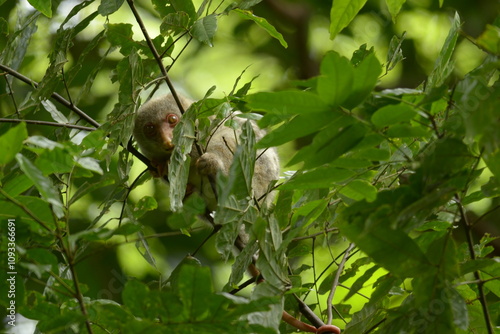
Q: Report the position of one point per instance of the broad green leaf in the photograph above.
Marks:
(56, 114)
(193, 206)
(287, 102)
(11, 142)
(262, 22)
(204, 29)
(38, 207)
(175, 22)
(55, 161)
(241, 264)
(299, 126)
(393, 114)
(336, 79)
(359, 190)
(14, 51)
(342, 13)
(43, 6)
(180, 161)
(234, 205)
(394, 7)
(490, 39)
(391, 248)
(321, 177)
(145, 204)
(120, 35)
(16, 183)
(89, 163)
(165, 8)
(330, 144)
(444, 63)
(406, 130)
(44, 184)
(136, 297)
(365, 78)
(108, 7)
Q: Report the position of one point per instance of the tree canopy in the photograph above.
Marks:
(386, 115)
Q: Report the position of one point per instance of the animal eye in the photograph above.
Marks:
(149, 129)
(172, 119)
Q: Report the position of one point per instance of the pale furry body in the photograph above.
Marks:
(216, 157)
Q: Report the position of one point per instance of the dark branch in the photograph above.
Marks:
(156, 55)
(62, 125)
(55, 96)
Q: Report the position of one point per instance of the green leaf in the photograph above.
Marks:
(43, 6)
(43, 184)
(395, 53)
(406, 130)
(287, 102)
(204, 29)
(136, 298)
(394, 7)
(11, 142)
(193, 206)
(365, 78)
(371, 227)
(108, 7)
(165, 8)
(175, 22)
(360, 281)
(330, 144)
(393, 114)
(489, 40)
(89, 164)
(299, 126)
(180, 161)
(342, 13)
(145, 204)
(261, 22)
(321, 177)
(56, 114)
(4, 25)
(120, 35)
(335, 83)
(359, 190)
(444, 63)
(38, 207)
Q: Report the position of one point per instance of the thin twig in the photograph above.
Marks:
(477, 275)
(155, 53)
(336, 283)
(62, 125)
(25, 209)
(55, 96)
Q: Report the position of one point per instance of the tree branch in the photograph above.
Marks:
(155, 53)
(336, 283)
(55, 96)
(62, 125)
(477, 275)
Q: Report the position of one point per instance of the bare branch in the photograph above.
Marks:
(336, 283)
(55, 96)
(62, 125)
(155, 53)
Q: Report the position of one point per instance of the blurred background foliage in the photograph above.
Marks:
(239, 47)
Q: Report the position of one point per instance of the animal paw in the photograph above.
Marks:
(209, 164)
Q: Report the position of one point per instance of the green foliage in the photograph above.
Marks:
(409, 177)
